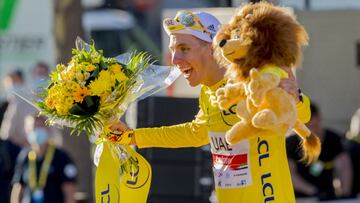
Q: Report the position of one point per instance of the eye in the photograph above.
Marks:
(184, 49)
(235, 34)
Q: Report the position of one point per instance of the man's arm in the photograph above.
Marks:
(69, 189)
(343, 169)
(191, 134)
(16, 193)
(183, 135)
(290, 85)
(300, 184)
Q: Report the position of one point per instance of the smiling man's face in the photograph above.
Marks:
(190, 55)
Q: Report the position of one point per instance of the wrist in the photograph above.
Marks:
(131, 134)
(311, 191)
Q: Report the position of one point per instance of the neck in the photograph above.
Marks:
(40, 149)
(215, 73)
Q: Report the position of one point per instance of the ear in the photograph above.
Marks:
(254, 74)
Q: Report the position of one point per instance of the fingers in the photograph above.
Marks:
(119, 126)
(290, 86)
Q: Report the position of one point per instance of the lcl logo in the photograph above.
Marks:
(105, 194)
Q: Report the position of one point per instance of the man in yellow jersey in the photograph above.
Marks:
(253, 170)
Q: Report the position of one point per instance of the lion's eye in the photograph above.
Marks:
(235, 34)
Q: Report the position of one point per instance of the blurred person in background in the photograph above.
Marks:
(317, 179)
(12, 126)
(40, 75)
(8, 153)
(43, 172)
(8, 149)
(352, 146)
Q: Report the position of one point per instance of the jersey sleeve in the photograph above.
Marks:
(303, 109)
(191, 134)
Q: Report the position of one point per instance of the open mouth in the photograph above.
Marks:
(229, 54)
(186, 72)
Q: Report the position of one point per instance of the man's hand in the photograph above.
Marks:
(119, 126)
(122, 134)
(290, 84)
(230, 94)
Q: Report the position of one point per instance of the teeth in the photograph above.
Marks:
(186, 71)
(186, 75)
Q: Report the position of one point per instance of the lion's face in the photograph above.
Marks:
(261, 34)
(234, 48)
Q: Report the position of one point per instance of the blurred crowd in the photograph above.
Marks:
(335, 175)
(33, 167)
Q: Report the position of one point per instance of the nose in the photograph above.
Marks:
(176, 58)
(222, 43)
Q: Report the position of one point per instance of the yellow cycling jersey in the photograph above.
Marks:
(253, 170)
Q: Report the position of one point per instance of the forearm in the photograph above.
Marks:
(182, 135)
(344, 171)
(16, 193)
(69, 190)
(300, 184)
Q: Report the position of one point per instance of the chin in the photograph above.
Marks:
(193, 84)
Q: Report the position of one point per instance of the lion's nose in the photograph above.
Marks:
(222, 43)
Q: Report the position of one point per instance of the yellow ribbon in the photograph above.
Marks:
(40, 184)
(131, 186)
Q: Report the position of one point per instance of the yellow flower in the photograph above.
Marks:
(69, 72)
(80, 76)
(62, 111)
(115, 68)
(103, 97)
(117, 73)
(80, 93)
(102, 84)
(90, 68)
(71, 87)
(60, 67)
(121, 77)
(95, 57)
(50, 102)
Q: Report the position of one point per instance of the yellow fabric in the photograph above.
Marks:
(132, 186)
(303, 108)
(239, 162)
(270, 175)
(275, 70)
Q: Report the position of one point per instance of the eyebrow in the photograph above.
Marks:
(178, 45)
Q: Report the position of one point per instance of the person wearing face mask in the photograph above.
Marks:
(12, 126)
(43, 172)
(39, 76)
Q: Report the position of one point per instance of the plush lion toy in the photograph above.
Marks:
(259, 40)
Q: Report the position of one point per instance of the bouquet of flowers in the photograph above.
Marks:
(88, 91)
(92, 91)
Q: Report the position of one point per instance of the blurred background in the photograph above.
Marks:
(34, 32)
